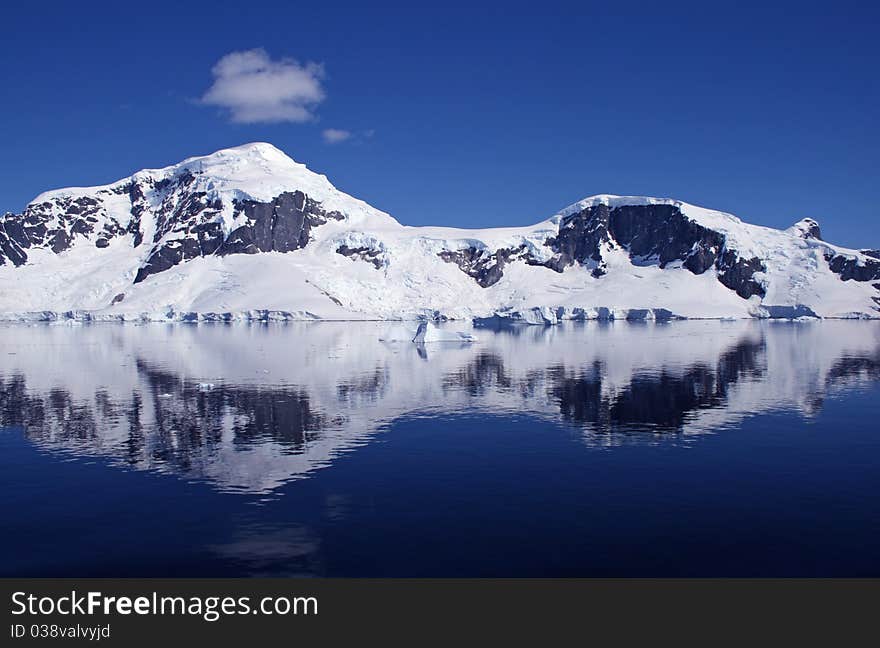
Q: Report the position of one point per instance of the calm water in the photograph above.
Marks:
(685, 449)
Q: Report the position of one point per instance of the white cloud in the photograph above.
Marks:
(335, 135)
(254, 88)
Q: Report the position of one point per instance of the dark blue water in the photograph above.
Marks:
(691, 449)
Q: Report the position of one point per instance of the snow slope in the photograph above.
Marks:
(248, 233)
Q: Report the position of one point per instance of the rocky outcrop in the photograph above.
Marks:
(188, 222)
(738, 274)
(485, 267)
(368, 254)
(10, 247)
(56, 224)
(807, 228)
(281, 225)
(657, 234)
(852, 268)
(580, 240)
(663, 235)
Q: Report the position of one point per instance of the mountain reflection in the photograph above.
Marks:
(249, 408)
(660, 400)
(190, 414)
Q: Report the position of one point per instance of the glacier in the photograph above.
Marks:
(247, 233)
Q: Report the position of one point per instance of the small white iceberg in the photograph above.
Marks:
(425, 333)
(428, 332)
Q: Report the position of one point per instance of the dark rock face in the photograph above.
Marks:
(874, 254)
(10, 248)
(651, 234)
(852, 268)
(370, 255)
(811, 229)
(580, 240)
(138, 207)
(663, 233)
(485, 267)
(281, 225)
(55, 225)
(165, 258)
(186, 223)
(738, 274)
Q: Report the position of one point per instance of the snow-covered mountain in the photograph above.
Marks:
(248, 233)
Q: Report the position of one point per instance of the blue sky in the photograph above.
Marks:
(472, 114)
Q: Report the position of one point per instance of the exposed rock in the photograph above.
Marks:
(853, 268)
(580, 240)
(485, 267)
(10, 248)
(807, 228)
(651, 234)
(280, 225)
(368, 254)
(662, 233)
(738, 274)
(54, 224)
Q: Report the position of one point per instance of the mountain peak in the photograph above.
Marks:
(248, 159)
(807, 228)
(256, 171)
(263, 147)
(251, 150)
(708, 217)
